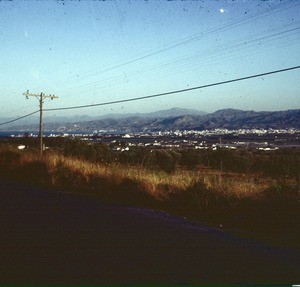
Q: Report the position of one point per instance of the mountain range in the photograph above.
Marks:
(172, 119)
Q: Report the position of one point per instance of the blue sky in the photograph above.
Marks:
(89, 52)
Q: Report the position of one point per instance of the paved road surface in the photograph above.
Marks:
(49, 237)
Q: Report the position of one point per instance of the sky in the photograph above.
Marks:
(90, 52)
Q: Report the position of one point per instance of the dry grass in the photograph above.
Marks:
(241, 202)
(156, 183)
(150, 182)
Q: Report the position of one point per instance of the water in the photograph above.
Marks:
(6, 134)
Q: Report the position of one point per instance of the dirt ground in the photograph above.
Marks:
(50, 237)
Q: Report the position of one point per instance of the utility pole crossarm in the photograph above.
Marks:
(41, 95)
(41, 98)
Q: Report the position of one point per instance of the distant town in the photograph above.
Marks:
(176, 129)
(260, 139)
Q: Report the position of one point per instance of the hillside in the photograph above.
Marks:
(226, 118)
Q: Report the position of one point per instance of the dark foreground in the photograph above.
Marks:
(49, 237)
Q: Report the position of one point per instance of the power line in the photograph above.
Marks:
(198, 36)
(176, 91)
(19, 118)
(158, 95)
(187, 60)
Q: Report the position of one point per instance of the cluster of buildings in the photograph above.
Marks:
(260, 139)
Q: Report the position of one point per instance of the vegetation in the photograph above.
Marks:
(252, 193)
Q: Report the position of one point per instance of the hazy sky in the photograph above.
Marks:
(89, 52)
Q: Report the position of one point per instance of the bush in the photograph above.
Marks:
(190, 158)
(32, 171)
(227, 160)
(8, 159)
(162, 160)
(93, 152)
(206, 198)
(65, 177)
(279, 165)
(282, 193)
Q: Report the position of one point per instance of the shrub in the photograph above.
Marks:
(93, 152)
(282, 193)
(207, 198)
(190, 158)
(162, 160)
(8, 159)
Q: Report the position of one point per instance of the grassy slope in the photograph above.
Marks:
(266, 208)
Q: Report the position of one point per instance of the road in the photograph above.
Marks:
(51, 237)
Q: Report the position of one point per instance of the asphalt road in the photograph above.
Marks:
(50, 237)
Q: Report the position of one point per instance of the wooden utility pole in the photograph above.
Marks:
(40, 98)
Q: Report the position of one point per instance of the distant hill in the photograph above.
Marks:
(173, 112)
(180, 119)
(233, 119)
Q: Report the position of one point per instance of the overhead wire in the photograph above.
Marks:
(185, 62)
(176, 91)
(157, 95)
(276, 9)
(248, 42)
(223, 56)
(19, 118)
(219, 50)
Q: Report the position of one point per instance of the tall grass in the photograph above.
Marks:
(70, 172)
(238, 201)
(158, 184)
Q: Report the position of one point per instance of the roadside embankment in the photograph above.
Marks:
(266, 209)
